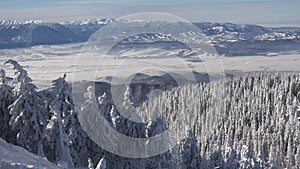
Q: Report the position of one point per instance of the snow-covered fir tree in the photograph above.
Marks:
(246, 159)
(127, 108)
(90, 105)
(216, 160)
(189, 153)
(28, 114)
(101, 164)
(70, 138)
(253, 110)
(164, 160)
(6, 99)
(21, 81)
(56, 141)
(89, 115)
(231, 157)
(249, 121)
(90, 164)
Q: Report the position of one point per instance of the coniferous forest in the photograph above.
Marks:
(248, 121)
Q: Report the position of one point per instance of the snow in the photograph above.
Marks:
(250, 98)
(101, 164)
(102, 21)
(14, 157)
(45, 63)
(55, 60)
(277, 36)
(16, 22)
(243, 91)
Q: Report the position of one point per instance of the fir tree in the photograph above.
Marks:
(101, 164)
(189, 153)
(56, 139)
(6, 99)
(21, 81)
(72, 135)
(28, 114)
(90, 164)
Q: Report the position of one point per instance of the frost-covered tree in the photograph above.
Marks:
(298, 156)
(246, 160)
(272, 157)
(90, 164)
(101, 164)
(114, 117)
(164, 160)
(257, 110)
(189, 153)
(127, 121)
(69, 134)
(249, 121)
(89, 115)
(90, 105)
(21, 81)
(28, 114)
(55, 140)
(260, 161)
(104, 107)
(124, 126)
(6, 99)
(231, 157)
(128, 109)
(55, 137)
(216, 159)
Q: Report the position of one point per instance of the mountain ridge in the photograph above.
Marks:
(229, 39)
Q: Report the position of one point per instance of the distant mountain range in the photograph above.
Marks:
(15, 34)
(229, 39)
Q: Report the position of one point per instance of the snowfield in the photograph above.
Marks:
(14, 157)
(45, 63)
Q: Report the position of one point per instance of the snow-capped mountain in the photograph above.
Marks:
(85, 28)
(239, 40)
(14, 34)
(229, 32)
(15, 22)
(102, 21)
(229, 39)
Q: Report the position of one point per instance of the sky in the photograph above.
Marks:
(49, 3)
(262, 12)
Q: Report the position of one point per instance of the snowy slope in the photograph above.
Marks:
(14, 157)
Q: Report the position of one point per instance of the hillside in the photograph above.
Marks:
(255, 114)
(248, 121)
